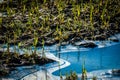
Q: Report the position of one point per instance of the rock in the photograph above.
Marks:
(112, 26)
(86, 44)
(75, 39)
(4, 70)
(14, 65)
(25, 37)
(50, 42)
(42, 61)
(48, 34)
(0, 14)
(24, 20)
(100, 37)
(114, 40)
(54, 26)
(27, 43)
(64, 43)
(12, 42)
(2, 39)
(116, 72)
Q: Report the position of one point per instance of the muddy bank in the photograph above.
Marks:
(9, 62)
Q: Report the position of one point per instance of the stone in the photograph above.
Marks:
(64, 43)
(86, 44)
(116, 72)
(0, 14)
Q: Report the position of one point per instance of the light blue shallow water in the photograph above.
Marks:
(95, 59)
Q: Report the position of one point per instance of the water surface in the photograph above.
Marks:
(107, 57)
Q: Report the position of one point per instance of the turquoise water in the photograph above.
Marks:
(95, 59)
(105, 56)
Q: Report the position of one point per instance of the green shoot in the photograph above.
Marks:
(24, 9)
(43, 50)
(91, 15)
(104, 10)
(35, 41)
(78, 10)
(84, 72)
(44, 1)
(1, 20)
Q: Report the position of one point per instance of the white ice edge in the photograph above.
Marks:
(68, 48)
(99, 74)
(62, 63)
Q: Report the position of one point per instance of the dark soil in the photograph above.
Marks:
(8, 62)
(19, 25)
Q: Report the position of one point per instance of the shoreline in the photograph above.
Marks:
(41, 74)
(63, 63)
(100, 74)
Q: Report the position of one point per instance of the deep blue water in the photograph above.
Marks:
(95, 59)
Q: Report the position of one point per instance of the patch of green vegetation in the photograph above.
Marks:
(70, 15)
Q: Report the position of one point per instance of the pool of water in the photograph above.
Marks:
(105, 56)
(102, 57)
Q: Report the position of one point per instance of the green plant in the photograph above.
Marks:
(74, 10)
(60, 6)
(91, 14)
(1, 20)
(44, 1)
(68, 22)
(61, 18)
(84, 72)
(37, 20)
(103, 12)
(30, 18)
(19, 46)
(8, 45)
(14, 39)
(26, 55)
(72, 76)
(61, 78)
(24, 9)
(94, 78)
(10, 11)
(78, 10)
(35, 42)
(43, 50)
